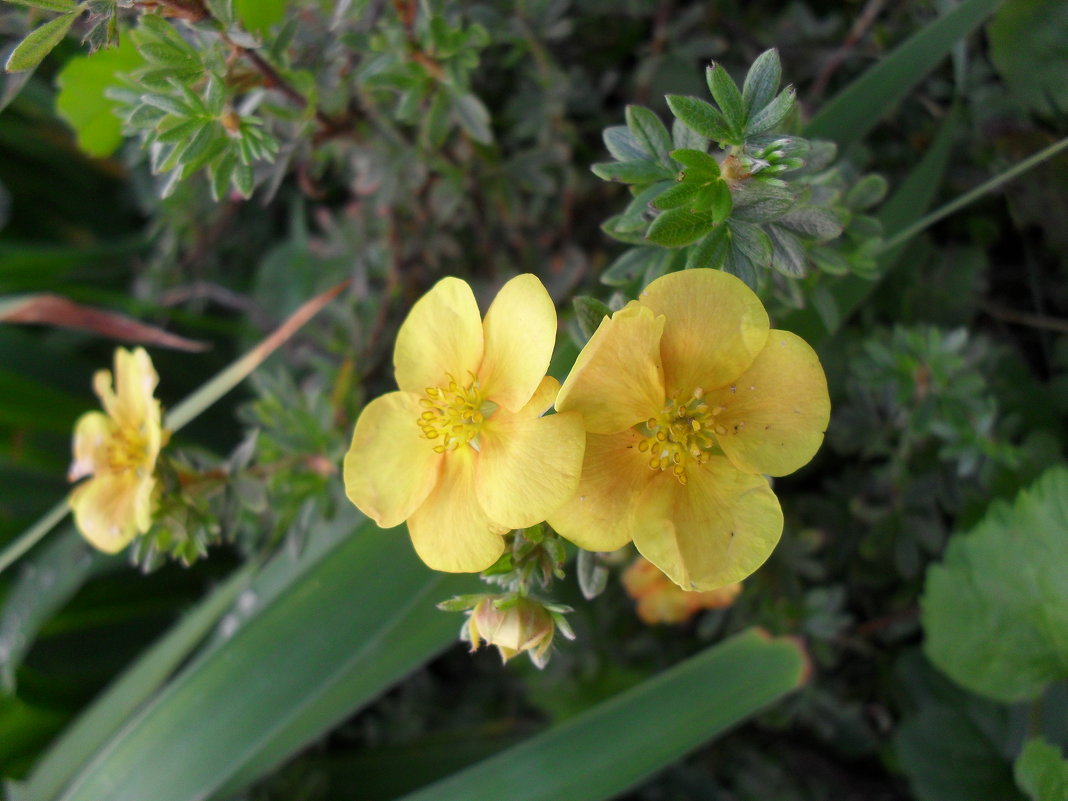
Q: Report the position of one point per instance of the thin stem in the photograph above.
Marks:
(33, 535)
(925, 222)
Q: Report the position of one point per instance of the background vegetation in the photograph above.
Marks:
(220, 164)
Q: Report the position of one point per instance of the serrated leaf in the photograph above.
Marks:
(725, 93)
(772, 114)
(623, 145)
(865, 193)
(589, 312)
(703, 118)
(631, 172)
(812, 221)
(995, 612)
(649, 131)
(679, 227)
(630, 264)
(752, 241)
(711, 251)
(1042, 772)
(698, 163)
(82, 97)
(39, 43)
(762, 81)
(787, 254)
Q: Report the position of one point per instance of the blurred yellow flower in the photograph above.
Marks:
(462, 452)
(689, 400)
(118, 448)
(661, 601)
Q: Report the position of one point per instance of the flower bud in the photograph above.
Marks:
(513, 624)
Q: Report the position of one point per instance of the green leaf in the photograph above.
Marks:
(812, 221)
(679, 227)
(589, 312)
(260, 15)
(852, 113)
(712, 251)
(114, 707)
(48, 5)
(624, 145)
(703, 118)
(762, 202)
(867, 192)
(995, 612)
(716, 198)
(678, 195)
(82, 100)
(473, 117)
(752, 241)
(772, 114)
(631, 264)
(725, 93)
(649, 131)
(686, 138)
(635, 216)
(246, 703)
(1029, 47)
(39, 43)
(762, 81)
(787, 253)
(1042, 772)
(698, 163)
(622, 741)
(631, 172)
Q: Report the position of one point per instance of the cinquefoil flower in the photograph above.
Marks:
(661, 601)
(689, 400)
(118, 448)
(461, 451)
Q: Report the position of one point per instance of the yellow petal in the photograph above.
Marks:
(442, 336)
(714, 328)
(520, 332)
(715, 530)
(92, 433)
(778, 410)
(528, 466)
(614, 474)
(617, 380)
(450, 531)
(390, 468)
(109, 509)
(542, 399)
(132, 403)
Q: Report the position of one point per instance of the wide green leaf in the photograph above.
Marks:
(626, 739)
(353, 622)
(995, 612)
(1042, 771)
(854, 111)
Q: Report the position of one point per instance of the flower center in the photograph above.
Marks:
(453, 414)
(128, 450)
(684, 431)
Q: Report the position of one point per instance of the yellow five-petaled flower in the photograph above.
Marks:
(690, 400)
(118, 449)
(462, 452)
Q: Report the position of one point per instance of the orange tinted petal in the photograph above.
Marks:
(441, 336)
(528, 466)
(520, 332)
(450, 531)
(713, 531)
(390, 467)
(714, 327)
(614, 474)
(617, 380)
(778, 411)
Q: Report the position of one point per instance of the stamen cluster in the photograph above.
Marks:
(682, 431)
(453, 413)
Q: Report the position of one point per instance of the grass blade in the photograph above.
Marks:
(626, 739)
(852, 113)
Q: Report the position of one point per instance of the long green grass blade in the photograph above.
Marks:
(624, 740)
(852, 113)
(349, 626)
(904, 207)
(108, 712)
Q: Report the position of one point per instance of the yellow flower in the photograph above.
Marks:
(118, 448)
(660, 601)
(461, 451)
(689, 400)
